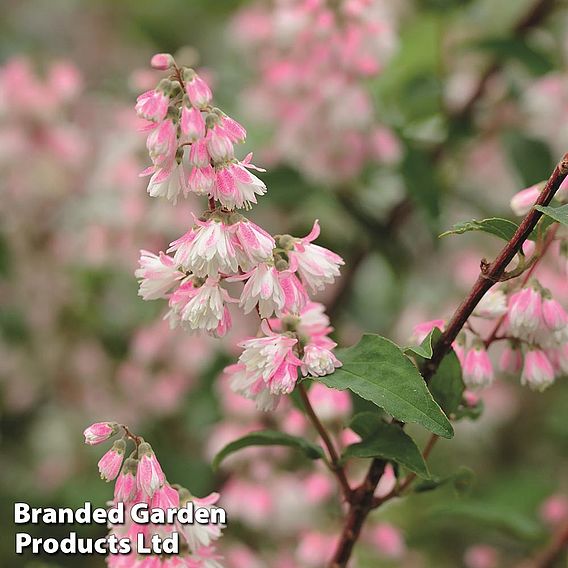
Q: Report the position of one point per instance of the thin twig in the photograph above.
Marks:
(547, 557)
(334, 462)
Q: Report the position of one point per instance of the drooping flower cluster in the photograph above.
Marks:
(523, 314)
(312, 59)
(190, 140)
(139, 479)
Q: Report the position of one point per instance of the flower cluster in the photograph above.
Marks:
(190, 140)
(312, 59)
(523, 314)
(140, 479)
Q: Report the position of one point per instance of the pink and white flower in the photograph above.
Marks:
(166, 182)
(201, 308)
(538, 372)
(318, 361)
(162, 144)
(525, 313)
(158, 274)
(162, 61)
(100, 432)
(316, 265)
(198, 91)
(125, 487)
(207, 249)
(198, 535)
(263, 288)
(201, 181)
(233, 129)
(150, 476)
(553, 315)
(252, 244)
(219, 145)
(110, 463)
(477, 368)
(192, 124)
(152, 105)
(236, 186)
(295, 295)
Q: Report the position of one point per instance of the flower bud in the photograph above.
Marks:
(192, 124)
(125, 487)
(109, 464)
(553, 314)
(162, 61)
(477, 368)
(198, 92)
(538, 372)
(150, 476)
(100, 432)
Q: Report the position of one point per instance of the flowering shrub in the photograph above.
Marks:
(388, 122)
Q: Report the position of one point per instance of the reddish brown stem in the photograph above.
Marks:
(490, 275)
(334, 462)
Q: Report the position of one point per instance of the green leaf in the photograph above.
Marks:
(377, 370)
(471, 412)
(447, 384)
(390, 442)
(269, 438)
(559, 214)
(425, 349)
(502, 228)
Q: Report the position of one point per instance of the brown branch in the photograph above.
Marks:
(547, 557)
(490, 275)
(334, 462)
(494, 271)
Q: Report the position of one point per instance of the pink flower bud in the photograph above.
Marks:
(109, 464)
(162, 61)
(525, 313)
(538, 372)
(477, 368)
(234, 130)
(219, 145)
(125, 487)
(553, 314)
(150, 476)
(192, 124)
(528, 248)
(523, 201)
(198, 91)
(99, 432)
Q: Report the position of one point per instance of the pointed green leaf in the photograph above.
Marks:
(269, 438)
(425, 349)
(559, 214)
(389, 442)
(502, 228)
(376, 369)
